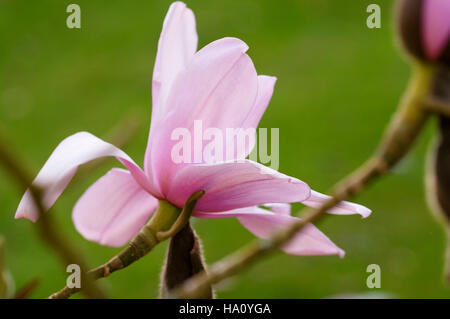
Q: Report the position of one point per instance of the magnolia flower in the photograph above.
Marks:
(424, 28)
(217, 85)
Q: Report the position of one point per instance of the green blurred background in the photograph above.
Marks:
(338, 84)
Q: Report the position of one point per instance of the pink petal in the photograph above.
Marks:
(218, 88)
(262, 223)
(265, 90)
(62, 164)
(435, 26)
(113, 209)
(235, 185)
(279, 208)
(177, 44)
(343, 208)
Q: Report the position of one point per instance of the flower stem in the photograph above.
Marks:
(166, 221)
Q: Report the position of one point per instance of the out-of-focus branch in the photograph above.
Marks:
(66, 252)
(7, 285)
(27, 290)
(438, 107)
(124, 131)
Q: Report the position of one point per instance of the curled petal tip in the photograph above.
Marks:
(22, 214)
(27, 208)
(364, 212)
(360, 209)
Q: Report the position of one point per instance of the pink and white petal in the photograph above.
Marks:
(177, 44)
(264, 94)
(262, 223)
(216, 90)
(62, 165)
(343, 208)
(435, 26)
(266, 85)
(234, 185)
(113, 209)
(279, 208)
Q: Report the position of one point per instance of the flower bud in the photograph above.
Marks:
(424, 29)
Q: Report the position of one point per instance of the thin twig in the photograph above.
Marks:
(438, 106)
(27, 290)
(66, 252)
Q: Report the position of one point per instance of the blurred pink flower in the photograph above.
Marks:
(435, 27)
(424, 29)
(219, 86)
